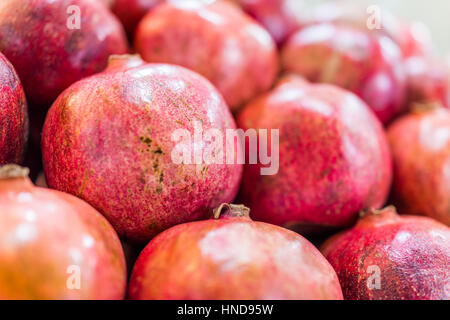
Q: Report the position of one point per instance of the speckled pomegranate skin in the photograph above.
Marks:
(422, 169)
(333, 157)
(108, 140)
(232, 258)
(13, 115)
(280, 17)
(45, 235)
(216, 40)
(411, 253)
(130, 12)
(48, 56)
(369, 65)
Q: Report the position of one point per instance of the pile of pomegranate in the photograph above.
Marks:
(221, 149)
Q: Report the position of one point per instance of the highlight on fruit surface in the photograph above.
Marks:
(110, 140)
(54, 246)
(333, 151)
(232, 257)
(52, 44)
(369, 65)
(13, 115)
(215, 39)
(420, 144)
(391, 257)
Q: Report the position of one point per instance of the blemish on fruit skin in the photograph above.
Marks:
(148, 141)
(128, 153)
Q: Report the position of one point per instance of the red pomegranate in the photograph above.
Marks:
(52, 44)
(427, 81)
(391, 257)
(420, 144)
(280, 17)
(130, 12)
(368, 64)
(54, 246)
(216, 40)
(232, 257)
(333, 155)
(111, 139)
(13, 115)
(413, 38)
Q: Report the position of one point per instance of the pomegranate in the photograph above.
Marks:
(109, 139)
(216, 40)
(54, 246)
(368, 64)
(13, 115)
(422, 168)
(391, 257)
(232, 257)
(130, 12)
(427, 81)
(280, 17)
(55, 43)
(333, 155)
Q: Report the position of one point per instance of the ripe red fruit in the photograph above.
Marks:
(420, 144)
(48, 239)
(216, 40)
(279, 17)
(109, 139)
(334, 158)
(391, 257)
(232, 257)
(427, 81)
(369, 65)
(48, 49)
(130, 12)
(13, 115)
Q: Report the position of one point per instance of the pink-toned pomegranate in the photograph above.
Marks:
(13, 115)
(130, 12)
(420, 144)
(334, 158)
(216, 40)
(55, 43)
(55, 246)
(280, 17)
(427, 81)
(232, 257)
(110, 139)
(413, 38)
(391, 257)
(369, 65)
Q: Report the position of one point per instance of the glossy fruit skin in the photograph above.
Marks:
(47, 54)
(13, 115)
(280, 17)
(427, 81)
(232, 258)
(113, 146)
(411, 254)
(421, 179)
(216, 40)
(43, 234)
(130, 12)
(334, 158)
(369, 65)
(413, 37)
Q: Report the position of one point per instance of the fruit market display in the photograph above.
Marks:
(221, 150)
